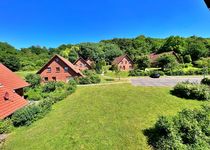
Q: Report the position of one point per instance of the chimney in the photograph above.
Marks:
(6, 96)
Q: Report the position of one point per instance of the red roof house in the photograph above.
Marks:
(124, 63)
(82, 64)
(59, 69)
(11, 92)
(154, 57)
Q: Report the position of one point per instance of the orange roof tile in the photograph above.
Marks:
(15, 102)
(10, 79)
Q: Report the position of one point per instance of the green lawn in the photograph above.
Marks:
(23, 74)
(100, 117)
(123, 74)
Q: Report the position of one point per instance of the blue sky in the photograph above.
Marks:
(53, 22)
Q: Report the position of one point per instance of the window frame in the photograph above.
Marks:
(49, 69)
(58, 69)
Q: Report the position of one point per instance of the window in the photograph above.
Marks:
(66, 69)
(125, 62)
(80, 65)
(54, 78)
(45, 78)
(57, 69)
(48, 69)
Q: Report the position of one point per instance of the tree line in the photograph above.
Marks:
(32, 58)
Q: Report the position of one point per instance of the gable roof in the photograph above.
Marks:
(154, 56)
(10, 79)
(117, 60)
(15, 102)
(87, 62)
(68, 63)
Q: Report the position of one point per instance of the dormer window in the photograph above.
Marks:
(49, 69)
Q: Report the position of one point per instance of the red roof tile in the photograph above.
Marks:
(15, 102)
(10, 79)
(154, 56)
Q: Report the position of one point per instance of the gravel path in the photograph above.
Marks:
(163, 81)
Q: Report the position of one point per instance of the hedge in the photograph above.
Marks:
(29, 114)
(191, 91)
(189, 130)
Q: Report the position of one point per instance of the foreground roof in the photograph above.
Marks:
(10, 79)
(68, 63)
(117, 60)
(10, 105)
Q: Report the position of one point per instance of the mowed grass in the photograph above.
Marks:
(122, 74)
(100, 117)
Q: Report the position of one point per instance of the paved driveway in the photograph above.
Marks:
(163, 81)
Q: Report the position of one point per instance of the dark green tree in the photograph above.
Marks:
(167, 62)
(143, 62)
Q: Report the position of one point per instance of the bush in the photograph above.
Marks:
(33, 79)
(188, 130)
(6, 126)
(44, 107)
(51, 86)
(49, 94)
(25, 116)
(34, 94)
(191, 91)
(175, 73)
(205, 81)
(90, 78)
(72, 85)
(138, 72)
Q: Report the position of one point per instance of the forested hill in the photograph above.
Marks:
(34, 57)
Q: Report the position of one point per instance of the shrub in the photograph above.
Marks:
(72, 85)
(49, 87)
(188, 130)
(44, 106)
(95, 79)
(175, 73)
(138, 72)
(34, 94)
(84, 80)
(205, 81)
(25, 116)
(191, 91)
(6, 126)
(90, 78)
(33, 79)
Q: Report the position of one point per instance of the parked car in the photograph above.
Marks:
(155, 75)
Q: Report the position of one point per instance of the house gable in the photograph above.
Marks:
(58, 69)
(82, 64)
(124, 63)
